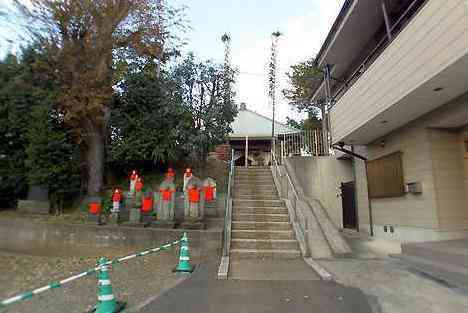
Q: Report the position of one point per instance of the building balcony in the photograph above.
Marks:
(423, 67)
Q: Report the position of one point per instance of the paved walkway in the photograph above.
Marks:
(268, 269)
(203, 293)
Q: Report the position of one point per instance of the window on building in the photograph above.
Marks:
(385, 176)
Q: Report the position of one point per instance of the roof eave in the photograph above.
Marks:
(334, 29)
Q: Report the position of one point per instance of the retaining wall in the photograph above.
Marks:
(23, 236)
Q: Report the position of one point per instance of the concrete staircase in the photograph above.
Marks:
(260, 221)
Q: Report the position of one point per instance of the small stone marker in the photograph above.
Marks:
(194, 204)
(165, 212)
(37, 201)
(133, 180)
(94, 209)
(147, 208)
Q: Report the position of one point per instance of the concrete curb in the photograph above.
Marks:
(223, 268)
(319, 269)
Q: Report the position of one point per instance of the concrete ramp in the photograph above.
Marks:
(444, 260)
(314, 228)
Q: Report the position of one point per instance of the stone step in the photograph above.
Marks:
(250, 188)
(255, 192)
(259, 180)
(252, 225)
(262, 234)
(252, 170)
(253, 186)
(253, 176)
(264, 254)
(260, 217)
(252, 183)
(260, 210)
(256, 197)
(257, 203)
(265, 244)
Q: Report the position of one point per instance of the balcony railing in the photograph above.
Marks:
(393, 31)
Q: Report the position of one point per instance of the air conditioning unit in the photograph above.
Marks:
(414, 188)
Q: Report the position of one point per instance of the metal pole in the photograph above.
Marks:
(371, 219)
(282, 151)
(387, 20)
(246, 151)
(326, 105)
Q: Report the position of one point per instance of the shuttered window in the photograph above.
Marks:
(385, 177)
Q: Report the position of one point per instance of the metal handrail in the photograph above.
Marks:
(304, 230)
(275, 161)
(228, 208)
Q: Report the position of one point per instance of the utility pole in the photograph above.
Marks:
(226, 39)
(272, 81)
(325, 112)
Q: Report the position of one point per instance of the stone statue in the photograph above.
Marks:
(167, 191)
(194, 199)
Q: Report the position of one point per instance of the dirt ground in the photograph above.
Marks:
(133, 282)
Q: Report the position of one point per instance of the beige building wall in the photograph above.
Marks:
(321, 178)
(449, 179)
(417, 211)
(433, 40)
(434, 157)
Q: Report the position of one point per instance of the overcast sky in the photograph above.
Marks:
(304, 23)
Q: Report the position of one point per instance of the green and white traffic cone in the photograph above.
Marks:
(106, 298)
(184, 256)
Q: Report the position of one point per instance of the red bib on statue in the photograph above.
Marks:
(94, 208)
(209, 193)
(117, 197)
(138, 186)
(147, 205)
(166, 194)
(194, 195)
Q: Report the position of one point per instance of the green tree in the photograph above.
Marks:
(304, 79)
(15, 104)
(149, 121)
(35, 148)
(89, 45)
(201, 85)
(305, 124)
(52, 158)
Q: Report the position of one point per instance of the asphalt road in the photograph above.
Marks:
(202, 293)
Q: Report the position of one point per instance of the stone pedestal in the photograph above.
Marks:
(113, 219)
(37, 201)
(193, 223)
(95, 219)
(33, 207)
(163, 224)
(124, 215)
(146, 218)
(134, 216)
